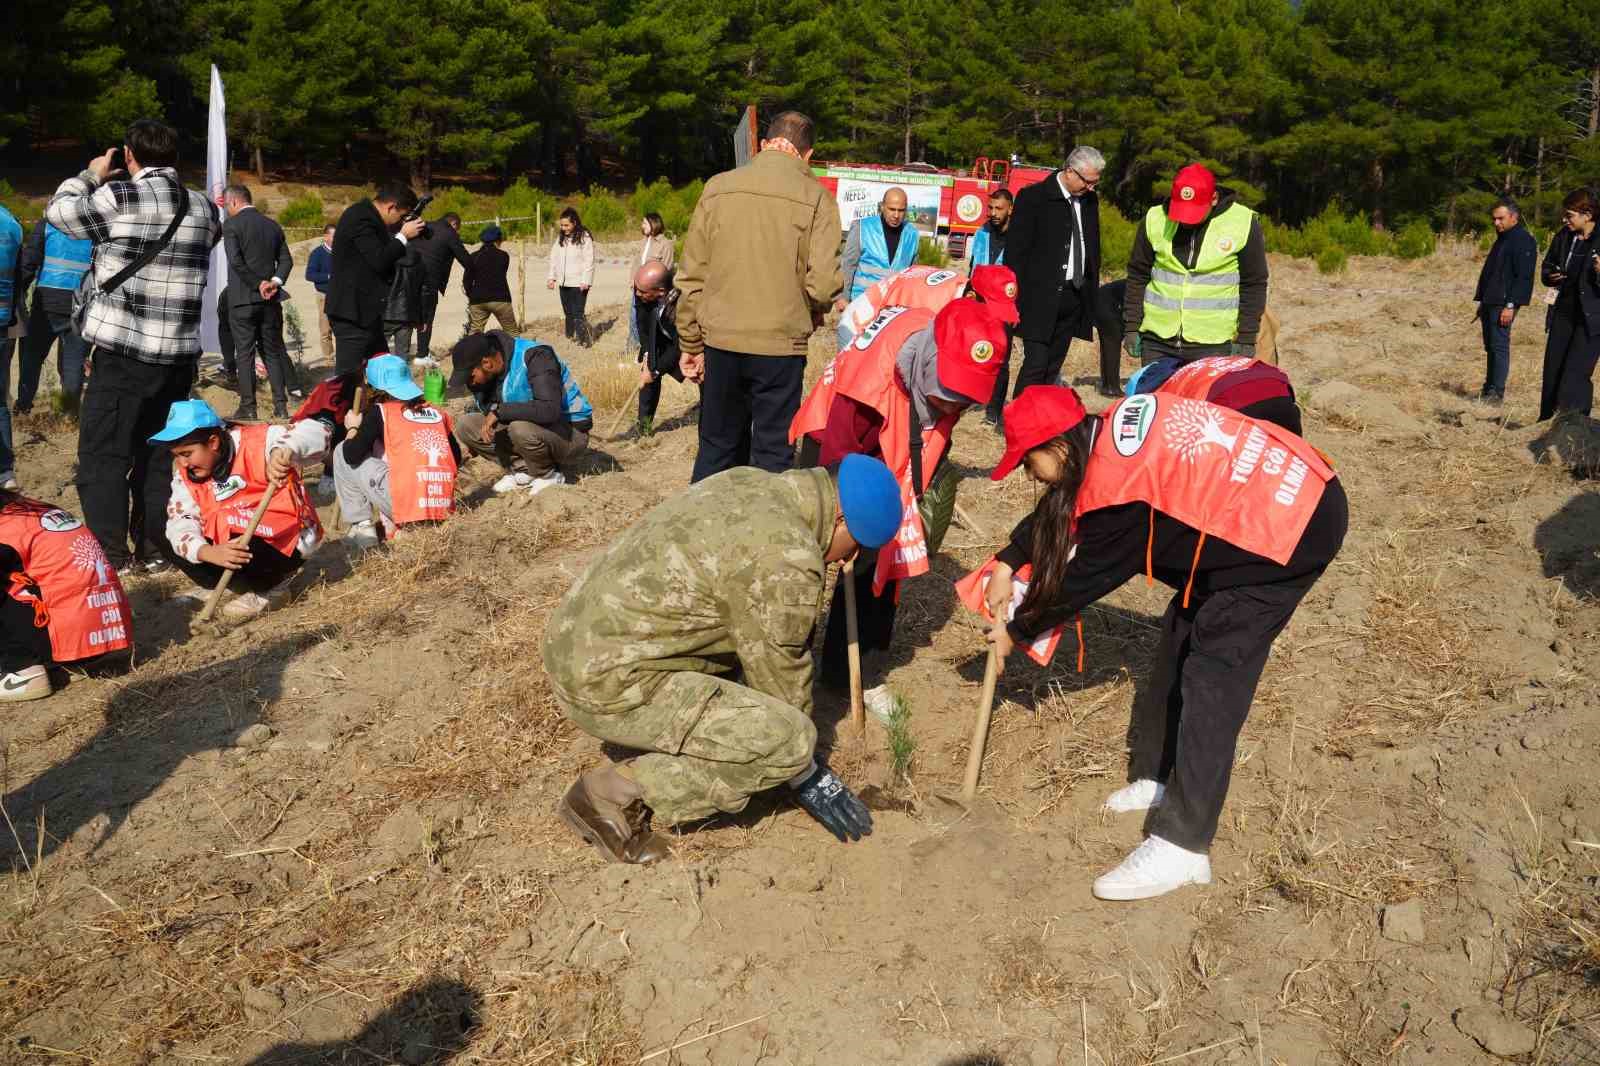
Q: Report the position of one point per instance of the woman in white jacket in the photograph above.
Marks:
(572, 272)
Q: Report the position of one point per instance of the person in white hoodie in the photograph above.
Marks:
(572, 272)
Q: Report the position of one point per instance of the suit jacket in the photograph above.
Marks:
(257, 252)
(439, 249)
(364, 258)
(486, 279)
(1036, 246)
(1507, 275)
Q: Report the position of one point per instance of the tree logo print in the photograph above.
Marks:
(1192, 426)
(431, 445)
(88, 555)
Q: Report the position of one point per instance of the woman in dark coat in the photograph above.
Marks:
(1572, 267)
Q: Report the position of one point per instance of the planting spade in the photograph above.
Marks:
(243, 540)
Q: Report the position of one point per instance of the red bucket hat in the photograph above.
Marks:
(998, 287)
(1192, 190)
(972, 345)
(1040, 413)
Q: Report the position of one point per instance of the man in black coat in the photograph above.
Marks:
(439, 248)
(258, 263)
(1504, 285)
(1053, 244)
(368, 243)
(488, 286)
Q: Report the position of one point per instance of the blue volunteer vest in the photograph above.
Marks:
(514, 387)
(979, 256)
(10, 245)
(65, 260)
(874, 265)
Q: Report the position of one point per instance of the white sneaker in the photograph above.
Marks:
(1141, 795)
(9, 482)
(1154, 868)
(250, 604)
(363, 536)
(424, 362)
(29, 683)
(513, 481)
(880, 702)
(549, 481)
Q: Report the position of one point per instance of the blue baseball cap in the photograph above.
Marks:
(869, 496)
(389, 374)
(183, 418)
(1152, 376)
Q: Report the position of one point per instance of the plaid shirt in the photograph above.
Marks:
(154, 316)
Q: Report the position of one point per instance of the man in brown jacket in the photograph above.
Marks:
(760, 266)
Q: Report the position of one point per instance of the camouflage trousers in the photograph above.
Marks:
(710, 743)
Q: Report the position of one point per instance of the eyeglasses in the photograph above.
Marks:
(1079, 175)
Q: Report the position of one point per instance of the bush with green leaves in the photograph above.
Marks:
(1116, 240)
(931, 253)
(1332, 260)
(302, 211)
(24, 209)
(604, 214)
(675, 206)
(1416, 240)
(524, 208)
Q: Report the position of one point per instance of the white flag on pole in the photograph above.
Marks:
(216, 181)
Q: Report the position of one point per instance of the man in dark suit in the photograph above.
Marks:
(1504, 285)
(367, 244)
(258, 263)
(1053, 244)
(439, 248)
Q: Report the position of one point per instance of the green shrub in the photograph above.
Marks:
(1116, 240)
(303, 211)
(931, 253)
(529, 206)
(1332, 260)
(25, 209)
(1416, 240)
(604, 213)
(675, 206)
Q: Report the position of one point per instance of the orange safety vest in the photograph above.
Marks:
(927, 287)
(1253, 484)
(422, 469)
(1198, 378)
(865, 372)
(80, 601)
(226, 506)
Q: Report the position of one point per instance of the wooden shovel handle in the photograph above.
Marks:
(243, 538)
(858, 706)
(980, 731)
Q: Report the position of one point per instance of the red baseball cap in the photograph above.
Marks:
(998, 287)
(1040, 413)
(1192, 191)
(971, 344)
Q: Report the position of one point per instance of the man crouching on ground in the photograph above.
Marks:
(220, 472)
(689, 639)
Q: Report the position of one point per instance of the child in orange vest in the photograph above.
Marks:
(1239, 516)
(401, 460)
(220, 472)
(63, 602)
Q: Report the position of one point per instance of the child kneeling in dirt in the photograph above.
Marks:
(220, 474)
(689, 639)
(63, 602)
(401, 460)
(529, 409)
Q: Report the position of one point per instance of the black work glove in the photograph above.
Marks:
(829, 801)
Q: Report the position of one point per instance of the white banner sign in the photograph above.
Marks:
(858, 198)
(216, 181)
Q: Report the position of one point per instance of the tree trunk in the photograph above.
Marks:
(1538, 186)
(261, 169)
(1594, 100)
(1375, 175)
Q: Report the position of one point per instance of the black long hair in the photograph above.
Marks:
(1052, 523)
(578, 234)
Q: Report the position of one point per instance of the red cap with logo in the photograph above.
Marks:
(1192, 190)
(971, 343)
(998, 287)
(1041, 413)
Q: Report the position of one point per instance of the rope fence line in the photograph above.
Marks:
(314, 230)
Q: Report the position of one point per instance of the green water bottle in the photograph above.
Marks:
(433, 386)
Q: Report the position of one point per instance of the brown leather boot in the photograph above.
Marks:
(608, 811)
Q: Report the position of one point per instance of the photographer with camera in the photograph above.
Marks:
(368, 244)
(139, 309)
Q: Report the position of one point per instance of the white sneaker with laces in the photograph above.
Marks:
(8, 481)
(362, 535)
(549, 481)
(1141, 795)
(29, 683)
(250, 604)
(1154, 868)
(513, 481)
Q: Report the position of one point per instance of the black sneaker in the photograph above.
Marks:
(155, 566)
(1492, 399)
(280, 412)
(244, 414)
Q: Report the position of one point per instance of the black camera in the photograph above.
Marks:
(416, 213)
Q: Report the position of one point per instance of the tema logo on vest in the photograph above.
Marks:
(939, 277)
(230, 487)
(58, 521)
(426, 416)
(1130, 423)
(886, 316)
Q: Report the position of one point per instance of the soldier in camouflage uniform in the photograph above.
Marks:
(690, 639)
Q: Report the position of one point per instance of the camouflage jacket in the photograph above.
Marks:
(726, 576)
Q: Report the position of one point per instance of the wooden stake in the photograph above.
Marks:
(622, 414)
(522, 287)
(242, 539)
(967, 521)
(858, 705)
(980, 731)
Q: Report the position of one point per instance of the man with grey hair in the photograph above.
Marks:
(1054, 247)
(258, 263)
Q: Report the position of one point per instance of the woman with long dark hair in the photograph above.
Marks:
(657, 246)
(1572, 268)
(1238, 515)
(572, 272)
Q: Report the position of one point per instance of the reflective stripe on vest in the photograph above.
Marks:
(874, 264)
(1201, 304)
(226, 506)
(515, 388)
(422, 468)
(10, 245)
(80, 597)
(65, 260)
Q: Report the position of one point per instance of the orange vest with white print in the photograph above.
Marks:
(226, 506)
(80, 600)
(422, 469)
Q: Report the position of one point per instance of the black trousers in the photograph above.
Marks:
(874, 622)
(22, 644)
(125, 403)
(1569, 358)
(1041, 360)
(746, 405)
(267, 569)
(573, 303)
(1108, 331)
(430, 307)
(997, 399)
(354, 342)
(225, 335)
(258, 327)
(1153, 348)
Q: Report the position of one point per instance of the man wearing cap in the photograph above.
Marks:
(689, 639)
(896, 393)
(487, 285)
(220, 473)
(879, 246)
(528, 409)
(1197, 276)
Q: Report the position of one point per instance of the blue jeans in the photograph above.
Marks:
(1497, 347)
(44, 328)
(8, 458)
